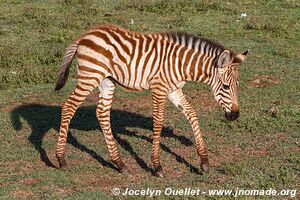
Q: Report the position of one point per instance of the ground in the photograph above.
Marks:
(258, 151)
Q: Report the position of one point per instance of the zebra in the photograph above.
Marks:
(109, 55)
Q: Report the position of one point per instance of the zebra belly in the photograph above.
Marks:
(132, 85)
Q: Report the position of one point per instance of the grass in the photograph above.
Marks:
(259, 151)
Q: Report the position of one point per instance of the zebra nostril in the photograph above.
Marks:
(235, 115)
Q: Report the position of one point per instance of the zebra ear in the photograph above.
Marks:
(224, 59)
(240, 58)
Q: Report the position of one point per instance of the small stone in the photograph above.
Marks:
(273, 111)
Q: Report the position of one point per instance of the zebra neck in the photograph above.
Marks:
(197, 66)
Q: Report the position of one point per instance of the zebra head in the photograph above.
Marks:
(226, 83)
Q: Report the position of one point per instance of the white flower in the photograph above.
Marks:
(243, 15)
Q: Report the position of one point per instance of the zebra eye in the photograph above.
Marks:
(226, 87)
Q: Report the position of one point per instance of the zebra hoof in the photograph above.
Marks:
(205, 168)
(159, 174)
(62, 163)
(204, 165)
(123, 168)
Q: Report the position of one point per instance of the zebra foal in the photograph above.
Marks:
(108, 55)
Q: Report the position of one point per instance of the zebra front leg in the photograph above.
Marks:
(68, 110)
(159, 102)
(179, 100)
(107, 88)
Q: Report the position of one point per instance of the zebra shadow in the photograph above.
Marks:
(41, 118)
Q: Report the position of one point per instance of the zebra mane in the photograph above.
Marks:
(191, 41)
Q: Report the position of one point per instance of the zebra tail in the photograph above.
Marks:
(64, 68)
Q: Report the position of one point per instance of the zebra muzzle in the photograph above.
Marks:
(231, 116)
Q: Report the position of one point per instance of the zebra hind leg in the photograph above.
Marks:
(68, 110)
(105, 100)
(159, 101)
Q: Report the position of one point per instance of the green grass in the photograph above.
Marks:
(259, 151)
